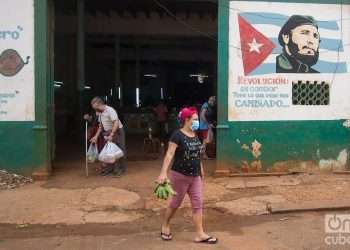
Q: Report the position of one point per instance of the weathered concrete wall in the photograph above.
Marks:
(24, 143)
(293, 135)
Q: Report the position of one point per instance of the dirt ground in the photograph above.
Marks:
(290, 231)
(70, 211)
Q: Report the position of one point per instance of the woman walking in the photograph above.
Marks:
(186, 174)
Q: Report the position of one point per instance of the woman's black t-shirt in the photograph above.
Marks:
(187, 160)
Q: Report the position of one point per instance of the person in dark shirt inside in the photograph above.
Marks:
(186, 174)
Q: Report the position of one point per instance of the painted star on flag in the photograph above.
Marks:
(255, 46)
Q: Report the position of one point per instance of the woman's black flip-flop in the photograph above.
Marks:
(166, 237)
(209, 240)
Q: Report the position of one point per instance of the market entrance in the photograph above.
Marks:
(133, 54)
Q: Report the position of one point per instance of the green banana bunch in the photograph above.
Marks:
(164, 190)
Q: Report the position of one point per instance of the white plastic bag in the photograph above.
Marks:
(92, 153)
(110, 153)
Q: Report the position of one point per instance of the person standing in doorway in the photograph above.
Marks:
(186, 175)
(112, 129)
(161, 112)
(206, 123)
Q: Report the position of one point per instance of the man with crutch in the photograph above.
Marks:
(112, 130)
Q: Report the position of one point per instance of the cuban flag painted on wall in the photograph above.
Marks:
(260, 45)
(288, 61)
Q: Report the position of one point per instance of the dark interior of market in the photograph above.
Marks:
(133, 53)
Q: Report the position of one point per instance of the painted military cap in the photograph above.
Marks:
(293, 22)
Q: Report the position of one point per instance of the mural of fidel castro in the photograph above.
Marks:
(300, 40)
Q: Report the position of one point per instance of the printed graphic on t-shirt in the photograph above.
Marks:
(187, 155)
(192, 151)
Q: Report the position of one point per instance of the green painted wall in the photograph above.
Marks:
(282, 140)
(24, 146)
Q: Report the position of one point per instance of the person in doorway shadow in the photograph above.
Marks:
(206, 124)
(161, 112)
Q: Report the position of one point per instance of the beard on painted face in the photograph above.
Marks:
(308, 59)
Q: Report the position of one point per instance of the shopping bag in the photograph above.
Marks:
(110, 153)
(92, 153)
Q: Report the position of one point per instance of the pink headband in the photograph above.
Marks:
(187, 113)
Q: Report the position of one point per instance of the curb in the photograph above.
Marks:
(307, 207)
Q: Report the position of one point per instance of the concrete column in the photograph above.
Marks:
(137, 69)
(80, 61)
(215, 77)
(162, 80)
(81, 45)
(117, 70)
